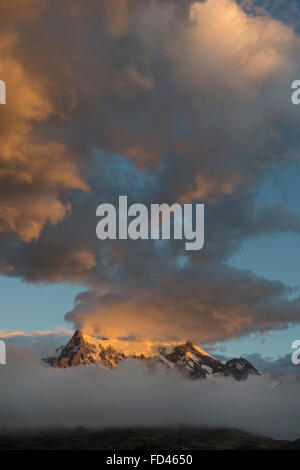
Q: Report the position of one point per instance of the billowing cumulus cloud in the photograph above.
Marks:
(163, 102)
(198, 305)
(33, 173)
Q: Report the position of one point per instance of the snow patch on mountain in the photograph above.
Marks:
(187, 358)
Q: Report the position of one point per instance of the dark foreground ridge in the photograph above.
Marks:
(186, 358)
(144, 439)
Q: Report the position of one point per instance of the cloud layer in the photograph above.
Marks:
(37, 397)
(163, 102)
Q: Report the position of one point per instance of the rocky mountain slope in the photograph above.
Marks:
(142, 439)
(187, 358)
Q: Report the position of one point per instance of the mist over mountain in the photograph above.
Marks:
(42, 397)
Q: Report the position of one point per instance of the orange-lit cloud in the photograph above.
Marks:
(163, 101)
(193, 305)
(33, 173)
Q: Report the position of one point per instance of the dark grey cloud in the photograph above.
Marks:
(164, 103)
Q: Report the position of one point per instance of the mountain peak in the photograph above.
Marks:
(78, 333)
(85, 350)
(187, 358)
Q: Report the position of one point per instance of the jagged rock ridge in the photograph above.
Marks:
(79, 351)
(187, 358)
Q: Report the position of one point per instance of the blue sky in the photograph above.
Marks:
(275, 257)
(30, 307)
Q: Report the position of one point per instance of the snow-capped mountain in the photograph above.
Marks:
(187, 358)
(197, 363)
(84, 349)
